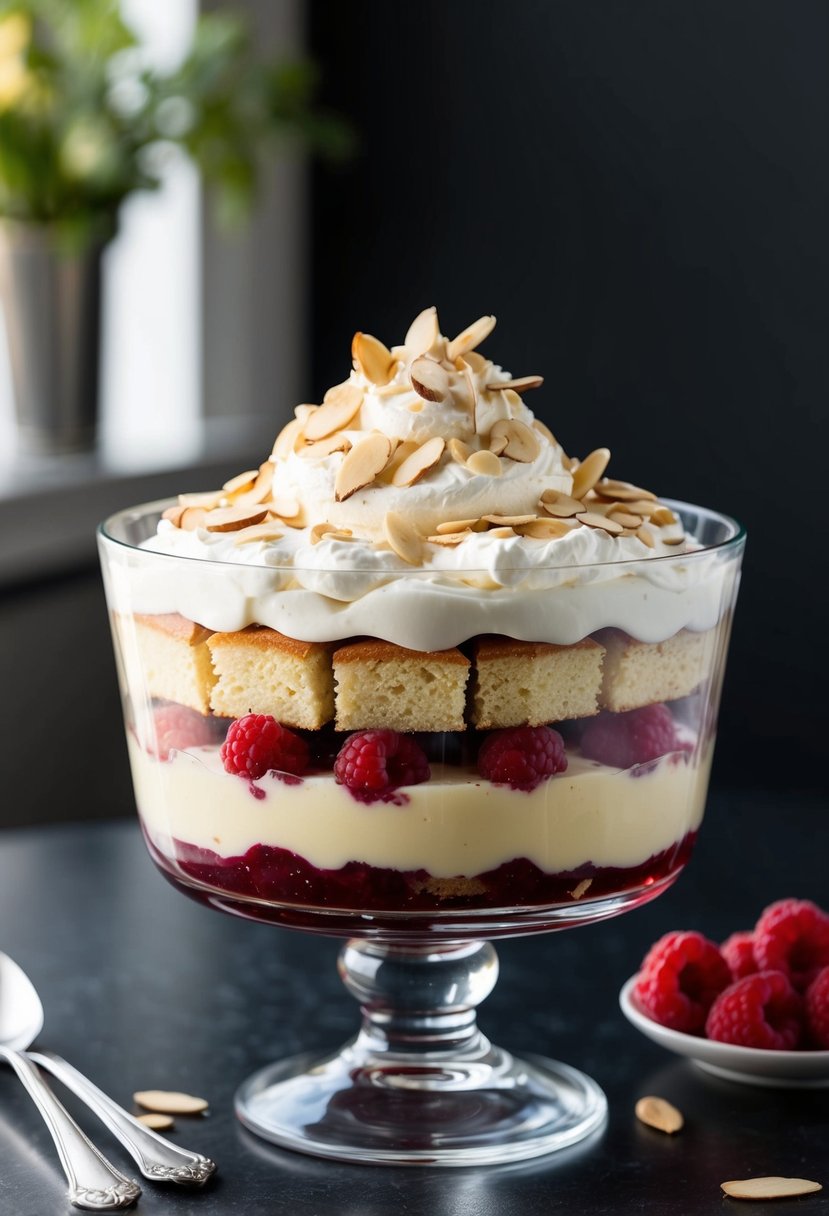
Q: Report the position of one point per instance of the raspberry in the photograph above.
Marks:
(738, 952)
(761, 1010)
(792, 936)
(522, 757)
(377, 761)
(679, 979)
(635, 737)
(177, 727)
(817, 1010)
(257, 743)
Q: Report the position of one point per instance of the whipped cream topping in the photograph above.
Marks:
(370, 517)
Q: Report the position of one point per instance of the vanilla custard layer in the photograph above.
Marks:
(454, 824)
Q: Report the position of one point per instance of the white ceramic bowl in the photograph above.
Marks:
(751, 1065)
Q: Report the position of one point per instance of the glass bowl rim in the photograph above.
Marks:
(732, 542)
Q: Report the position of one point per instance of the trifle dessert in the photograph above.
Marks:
(421, 663)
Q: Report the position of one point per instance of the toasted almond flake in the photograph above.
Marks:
(471, 391)
(663, 516)
(600, 521)
(522, 385)
(658, 1113)
(455, 525)
(241, 482)
(373, 358)
(259, 491)
(361, 465)
(497, 444)
(514, 404)
(581, 888)
(303, 412)
(320, 530)
(231, 519)
(597, 505)
(645, 536)
(419, 462)
(459, 451)
(430, 380)
(639, 506)
(333, 415)
(423, 333)
(625, 518)
(673, 540)
(545, 431)
(621, 491)
(770, 1188)
(484, 464)
(287, 440)
(500, 533)
(449, 538)
(509, 520)
(325, 447)
(545, 529)
(469, 338)
(522, 441)
(589, 471)
(209, 500)
(168, 1102)
(560, 505)
(156, 1122)
(285, 508)
(475, 360)
(266, 531)
(193, 518)
(173, 515)
(403, 538)
(399, 453)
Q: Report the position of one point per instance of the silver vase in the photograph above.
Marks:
(51, 303)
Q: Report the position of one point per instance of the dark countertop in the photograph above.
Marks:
(144, 989)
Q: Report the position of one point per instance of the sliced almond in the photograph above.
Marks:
(325, 529)
(192, 518)
(545, 529)
(522, 441)
(471, 391)
(469, 338)
(658, 1113)
(325, 447)
(303, 412)
(673, 540)
(373, 358)
(285, 508)
(423, 333)
(621, 491)
(209, 500)
(449, 538)
(265, 531)
(639, 506)
(459, 451)
(497, 444)
(484, 464)
(419, 463)
(625, 518)
(644, 535)
(589, 471)
(770, 1188)
(581, 888)
(560, 505)
(663, 516)
(231, 519)
(333, 415)
(361, 465)
(261, 488)
(399, 453)
(168, 1102)
(475, 360)
(173, 515)
(241, 482)
(592, 520)
(156, 1122)
(522, 385)
(430, 380)
(403, 538)
(286, 440)
(455, 525)
(500, 533)
(509, 521)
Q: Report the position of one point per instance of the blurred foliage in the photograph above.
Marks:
(85, 119)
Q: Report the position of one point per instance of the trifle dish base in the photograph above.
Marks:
(420, 1084)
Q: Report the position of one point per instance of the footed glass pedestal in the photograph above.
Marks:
(420, 1084)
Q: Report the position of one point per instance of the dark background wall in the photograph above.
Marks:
(638, 190)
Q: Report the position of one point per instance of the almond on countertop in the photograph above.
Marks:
(169, 1102)
(659, 1114)
(770, 1188)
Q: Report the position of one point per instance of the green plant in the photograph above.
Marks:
(85, 121)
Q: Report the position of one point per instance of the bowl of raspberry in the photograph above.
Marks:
(754, 1008)
(419, 681)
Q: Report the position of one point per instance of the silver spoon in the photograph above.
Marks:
(21, 1014)
(93, 1183)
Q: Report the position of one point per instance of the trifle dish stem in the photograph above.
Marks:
(421, 1084)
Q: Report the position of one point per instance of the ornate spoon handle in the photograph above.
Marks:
(156, 1158)
(94, 1184)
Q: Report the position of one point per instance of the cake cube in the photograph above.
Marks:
(383, 685)
(173, 659)
(264, 672)
(533, 683)
(641, 673)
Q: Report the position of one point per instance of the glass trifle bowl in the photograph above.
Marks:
(421, 680)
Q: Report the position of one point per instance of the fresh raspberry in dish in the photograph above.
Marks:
(816, 1008)
(177, 727)
(257, 743)
(522, 756)
(761, 1010)
(635, 737)
(680, 978)
(792, 936)
(738, 952)
(378, 761)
